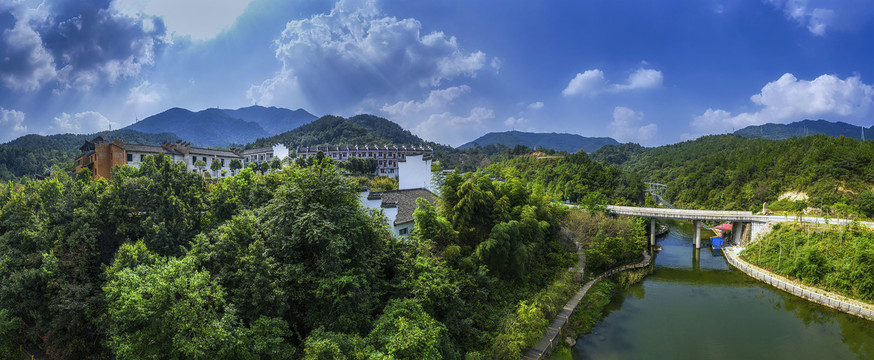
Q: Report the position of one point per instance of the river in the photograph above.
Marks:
(705, 309)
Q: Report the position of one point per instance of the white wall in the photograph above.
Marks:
(280, 150)
(414, 173)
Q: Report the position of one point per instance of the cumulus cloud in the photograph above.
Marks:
(11, 124)
(627, 126)
(514, 122)
(790, 99)
(436, 100)
(453, 129)
(196, 19)
(591, 82)
(354, 52)
(820, 16)
(536, 105)
(588, 82)
(74, 44)
(81, 123)
(143, 94)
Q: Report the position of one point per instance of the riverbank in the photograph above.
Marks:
(555, 330)
(813, 294)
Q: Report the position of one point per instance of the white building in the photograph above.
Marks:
(397, 206)
(388, 157)
(183, 151)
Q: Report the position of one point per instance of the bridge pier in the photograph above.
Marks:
(737, 229)
(697, 225)
(652, 231)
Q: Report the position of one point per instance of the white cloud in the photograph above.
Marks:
(514, 122)
(75, 45)
(588, 82)
(11, 124)
(536, 105)
(436, 100)
(790, 99)
(81, 123)
(197, 19)
(453, 129)
(641, 79)
(821, 16)
(627, 126)
(591, 82)
(354, 53)
(143, 94)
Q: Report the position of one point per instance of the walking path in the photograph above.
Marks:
(555, 329)
(830, 299)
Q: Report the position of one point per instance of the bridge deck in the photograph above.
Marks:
(685, 214)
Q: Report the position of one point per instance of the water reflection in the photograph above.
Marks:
(700, 308)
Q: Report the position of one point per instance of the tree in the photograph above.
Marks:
(235, 165)
(406, 331)
(275, 164)
(215, 166)
(200, 165)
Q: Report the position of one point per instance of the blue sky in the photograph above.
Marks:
(651, 72)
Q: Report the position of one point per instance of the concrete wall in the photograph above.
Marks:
(414, 173)
(818, 298)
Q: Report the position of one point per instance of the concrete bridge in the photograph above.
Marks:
(745, 225)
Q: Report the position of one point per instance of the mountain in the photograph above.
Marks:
(560, 142)
(274, 120)
(336, 130)
(802, 128)
(35, 154)
(210, 127)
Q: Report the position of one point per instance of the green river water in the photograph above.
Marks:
(704, 309)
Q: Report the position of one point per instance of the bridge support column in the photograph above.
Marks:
(652, 231)
(697, 225)
(737, 229)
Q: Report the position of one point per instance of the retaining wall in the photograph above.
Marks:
(818, 298)
(556, 328)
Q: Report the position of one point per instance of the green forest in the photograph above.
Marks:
(834, 258)
(158, 262)
(729, 172)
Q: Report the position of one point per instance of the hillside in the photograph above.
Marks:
(274, 120)
(35, 154)
(731, 172)
(772, 131)
(559, 142)
(336, 130)
(210, 127)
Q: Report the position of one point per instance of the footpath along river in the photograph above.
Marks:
(704, 309)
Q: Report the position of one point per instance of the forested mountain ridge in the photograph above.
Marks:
(731, 172)
(274, 120)
(35, 154)
(772, 131)
(206, 128)
(559, 142)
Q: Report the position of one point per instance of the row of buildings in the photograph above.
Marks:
(100, 155)
(411, 165)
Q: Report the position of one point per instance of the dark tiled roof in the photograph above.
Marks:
(210, 152)
(405, 200)
(258, 150)
(144, 148)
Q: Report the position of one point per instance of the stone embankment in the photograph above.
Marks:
(556, 328)
(821, 297)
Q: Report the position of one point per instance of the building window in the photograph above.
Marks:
(142, 157)
(193, 160)
(204, 159)
(223, 162)
(130, 157)
(402, 231)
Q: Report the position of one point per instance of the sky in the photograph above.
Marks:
(651, 72)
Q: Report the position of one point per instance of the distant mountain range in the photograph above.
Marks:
(222, 127)
(805, 128)
(560, 142)
(336, 130)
